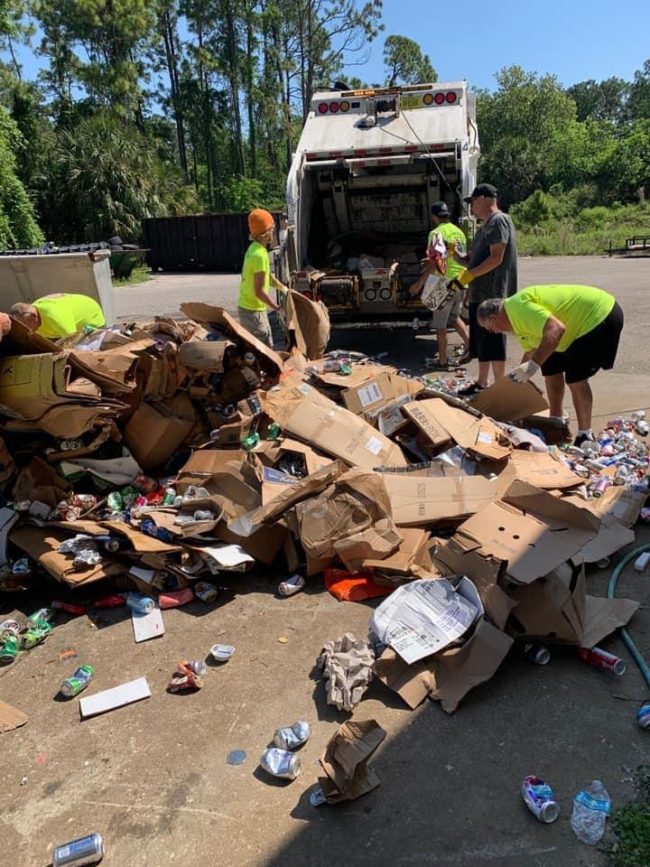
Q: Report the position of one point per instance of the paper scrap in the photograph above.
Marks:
(146, 626)
(118, 696)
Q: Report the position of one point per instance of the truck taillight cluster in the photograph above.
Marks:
(333, 107)
(440, 98)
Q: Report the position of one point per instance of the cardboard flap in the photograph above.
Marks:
(603, 616)
(458, 670)
(345, 760)
(612, 536)
(507, 400)
(153, 438)
(618, 502)
(436, 418)
(543, 470)
(142, 543)
(410, 553)
(38, 481)
(310, 322)
(413, 683)
(11, 718)
(205, 355)
(551, 609)
(207, 314)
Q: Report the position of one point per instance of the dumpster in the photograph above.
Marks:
(31, 276)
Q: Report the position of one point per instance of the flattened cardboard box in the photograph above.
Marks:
(543, 470)
(152, 438)
(441, 423)
(556, 608)
(370, 395)
(619, 502)
(530, 529)
(507, 400)
(310, 322)
(42, 545)
(419, 501)
(308, 415)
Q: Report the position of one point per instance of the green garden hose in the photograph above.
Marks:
(627, 638)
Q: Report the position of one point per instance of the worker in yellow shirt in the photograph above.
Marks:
(59, 315)
(254, 299)
(567, 332)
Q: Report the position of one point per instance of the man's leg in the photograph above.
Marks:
(583, 400)
(483, 373)
(555, 387)
(498, 369)
(443, 344)
(462, 331)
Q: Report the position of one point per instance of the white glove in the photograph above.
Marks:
(525, 371)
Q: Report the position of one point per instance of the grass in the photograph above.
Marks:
(140, 274)
(631, 825)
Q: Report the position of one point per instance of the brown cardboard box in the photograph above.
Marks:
(507, 400)
(11, 718)
(411, 554)
(371, 394)
(556, 608)
(442, 423)
(543, 470)
(205, 355)
(305, 413)
(310, 322)
(345, 761)
(207, 314)
(530, 529)
(617, 502)
(420, 502)
(152, 438)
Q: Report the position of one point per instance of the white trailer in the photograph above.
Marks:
(368, 167)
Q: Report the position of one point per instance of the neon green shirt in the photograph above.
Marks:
(579, 308)
(64, 314)
(448, 232)
(255, 260)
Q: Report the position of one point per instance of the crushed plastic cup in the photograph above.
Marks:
(317, 797)
(291, 586)
(293, 736)
(221, 652)
(280, 763)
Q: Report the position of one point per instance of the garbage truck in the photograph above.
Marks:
(368, 167)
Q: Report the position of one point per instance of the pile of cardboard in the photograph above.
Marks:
(293, 465)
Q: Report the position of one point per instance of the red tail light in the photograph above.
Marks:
(334, 107)
(439, 98)
(322, 107)
(451, 97)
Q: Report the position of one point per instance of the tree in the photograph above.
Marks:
(638, 104)
(18, 226)
(405, 62)
(600, 100)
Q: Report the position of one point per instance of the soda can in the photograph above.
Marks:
(203, 515)
(71, 445)
(642, 428)
(249, 359)
(145, 484)
(198, 666)
(117, 600)
(540, 800)
(291, 586)
(114, 502)
(292, 737)
(40, 616)
(643, 716)
(280, 763)
(604, 562)
(170, 497)
(599, 486)
(84, 850)
(602, 659)
(537, 653)
(85, 502)
(9, 629)
(251, 441)
(205, 591)
(9, 649)
(140, 604)
(35, 635)
(317, 797)
(184, 678)
(78, 681)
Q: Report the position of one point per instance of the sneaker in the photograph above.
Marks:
(436, 364)
(465, 358)
(582, 438)
(470, 390)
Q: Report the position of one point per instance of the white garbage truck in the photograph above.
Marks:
(368, 167)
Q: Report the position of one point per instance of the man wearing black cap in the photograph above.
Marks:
(441, 268)
(491, 272)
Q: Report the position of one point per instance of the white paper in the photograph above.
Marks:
(231, 558)
(118, 696)
(374, 445)
(146, 626)
(425, 616)
(146, 575)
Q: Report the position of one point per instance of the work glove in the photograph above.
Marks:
(465, 278)
(525, 371)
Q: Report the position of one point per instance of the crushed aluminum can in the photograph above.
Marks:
(85, 559)
(293, 736)
(317, 797)
(205, 591)
(643, 716)
(604, 563)
(9, 629)
(221, 652)
(280, 763)
(540, 800)
(195, 492)
(85, 502)
(198, 666)
(80, 542)
(21, 566)
(204, 515)
(291, 586)
(184, 678)
(43, 615)
(537, 653)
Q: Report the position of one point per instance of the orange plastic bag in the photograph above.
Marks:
(353, 588)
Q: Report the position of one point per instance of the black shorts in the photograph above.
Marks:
(588, 354)
(483, 344)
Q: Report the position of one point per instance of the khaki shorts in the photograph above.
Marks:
(447, 315)
(257, 322)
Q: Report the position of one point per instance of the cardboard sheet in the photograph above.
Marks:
(443, 423)
(310, 322)
(345, 761)
(11, 718)
(543, 470)
(110, 699)
(152, 438)
(507, 400)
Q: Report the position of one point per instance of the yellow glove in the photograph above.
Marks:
(465, 278)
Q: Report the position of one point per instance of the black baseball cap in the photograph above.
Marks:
(439, 209)
(482, 190)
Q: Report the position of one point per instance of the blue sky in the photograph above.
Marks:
(573, 39)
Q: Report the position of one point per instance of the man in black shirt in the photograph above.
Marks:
(491, 272)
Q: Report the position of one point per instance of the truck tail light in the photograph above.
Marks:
(345, 105)
(451, 97)
(322, 107)
(439, 98)
(334, 107)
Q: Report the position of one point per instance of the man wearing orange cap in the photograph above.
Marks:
(256, 277)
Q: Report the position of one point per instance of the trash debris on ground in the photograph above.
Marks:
(591, 807)
(280, 763)
(221, 652)
(345, 761)
(83, 850)
(293, 736)
(11, 718)
(117, 696)
(347, 670)
(540, 800)
(186, 677)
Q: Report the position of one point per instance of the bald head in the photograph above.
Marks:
(27, 314)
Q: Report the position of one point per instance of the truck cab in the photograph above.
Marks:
(368, 167)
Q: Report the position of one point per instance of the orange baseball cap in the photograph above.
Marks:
(260, 221)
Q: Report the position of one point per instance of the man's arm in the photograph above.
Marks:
(261, 293)
(497, 252)
(551, 336)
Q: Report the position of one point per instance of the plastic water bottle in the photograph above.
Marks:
(591, 807)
